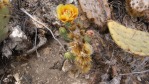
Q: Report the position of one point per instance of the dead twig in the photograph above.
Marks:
(110, 61)
(42, 41)
(134, 73)
(22, 9)
(38, 55)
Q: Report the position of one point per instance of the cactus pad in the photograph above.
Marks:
(130, 40)
(4, 19)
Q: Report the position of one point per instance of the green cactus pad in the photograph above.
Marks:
(4, 19)
(130, 40)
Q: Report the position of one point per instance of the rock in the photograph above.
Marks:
(116, 80)
(17, 78)
(26, 79)
(139, 78)
(69, 1)
(2, 71)
(74, 73)
(104, 77)
(17, 40)
(67, 66)
(104, 83)
(87, 76)
(9, 79)
(97, 10)
(71, 69)
(6, 51)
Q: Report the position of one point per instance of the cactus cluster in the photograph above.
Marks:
(80, 49)
(130, 40)
(75, 33)
(82, 52)
(4, 18)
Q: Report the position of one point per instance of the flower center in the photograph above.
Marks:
(67, 13)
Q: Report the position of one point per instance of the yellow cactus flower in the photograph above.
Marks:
(67, 13)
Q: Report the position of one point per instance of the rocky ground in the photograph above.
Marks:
(110, 63)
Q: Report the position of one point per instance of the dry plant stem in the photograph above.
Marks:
(42, 41)
(134, 73)
(22, 9)
(101, 40)
(38, 55)
(110, 61)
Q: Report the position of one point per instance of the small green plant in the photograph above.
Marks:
(4, 18)
(64, 33)
(69, 55)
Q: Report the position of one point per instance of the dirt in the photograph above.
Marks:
(45, 69)
(110, 63)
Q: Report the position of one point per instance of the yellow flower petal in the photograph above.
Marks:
(63, 18)
(67, 13)
(59, 8)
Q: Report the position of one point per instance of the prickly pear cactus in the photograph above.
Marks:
(4, 19)
(138, 8)
(96, 10)
(130, 40)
